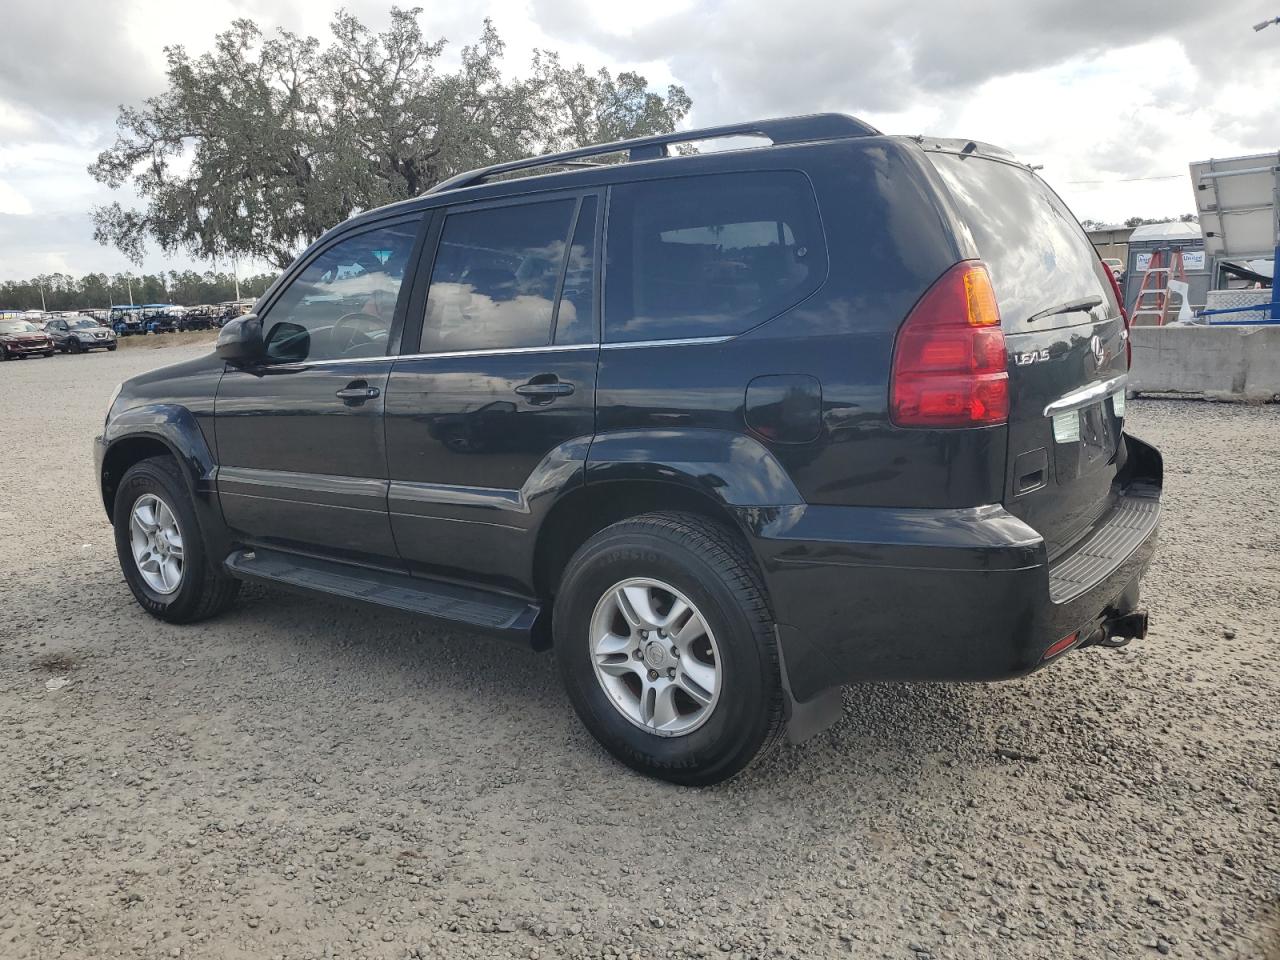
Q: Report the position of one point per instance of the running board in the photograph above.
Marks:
(497, 613)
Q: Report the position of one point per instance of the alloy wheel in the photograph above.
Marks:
(156, 541)
(655, 657)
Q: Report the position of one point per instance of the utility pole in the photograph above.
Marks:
(40, 284)
(129, 280)
(1275, 211)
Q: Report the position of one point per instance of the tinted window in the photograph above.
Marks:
(709, 256)
(576, 315)
(1038, 256)
(495, 275)
(342, 304)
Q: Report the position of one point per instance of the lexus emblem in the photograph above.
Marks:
(1099, 354)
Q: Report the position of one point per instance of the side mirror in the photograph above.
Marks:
(240, 341)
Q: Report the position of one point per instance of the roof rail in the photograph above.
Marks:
(816, 126)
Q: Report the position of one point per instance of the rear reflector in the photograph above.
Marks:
(1063, 644)
(949, 364)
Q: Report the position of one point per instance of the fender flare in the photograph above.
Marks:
(175, 427)
(731, 468)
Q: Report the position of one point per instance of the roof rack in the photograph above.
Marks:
(816, 126)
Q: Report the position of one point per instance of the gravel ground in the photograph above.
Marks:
(295, 779)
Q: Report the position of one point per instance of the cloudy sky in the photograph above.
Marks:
(1114, 98)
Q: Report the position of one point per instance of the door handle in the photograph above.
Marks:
(356, 392)
(544, 389)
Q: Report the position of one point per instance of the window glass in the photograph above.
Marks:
(495, 275)
(709, 256)
(576, 315)
(1037, 254)
(342, 304)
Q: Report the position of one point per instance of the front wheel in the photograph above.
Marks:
(161, 546)
(665, 644)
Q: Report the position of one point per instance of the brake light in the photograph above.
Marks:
(949, 364)
(1124, 314)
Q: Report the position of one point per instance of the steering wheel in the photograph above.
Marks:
(355, 330)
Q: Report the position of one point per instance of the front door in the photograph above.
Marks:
(495, 410)
(302, 462)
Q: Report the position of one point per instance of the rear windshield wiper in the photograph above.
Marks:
(1083, 305)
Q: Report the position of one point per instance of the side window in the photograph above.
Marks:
(576, 314)
(710, 256)
(342, 304)
(495, 277)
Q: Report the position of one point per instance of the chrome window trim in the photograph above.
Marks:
(501, 352)
(1092, 393)
(681, 342)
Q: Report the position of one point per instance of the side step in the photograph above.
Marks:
(486, 610)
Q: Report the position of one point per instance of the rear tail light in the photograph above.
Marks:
(1124, 314)
(949, 365)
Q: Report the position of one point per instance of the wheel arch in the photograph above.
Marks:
(584, 511)
(123, 454)
(166, 430)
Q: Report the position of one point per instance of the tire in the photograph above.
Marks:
(713, 571)
(49, 353)
(200, 591)
(111, 348)
(77, 346)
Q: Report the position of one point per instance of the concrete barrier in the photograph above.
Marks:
(1226, 363)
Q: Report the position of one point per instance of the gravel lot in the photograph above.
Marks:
(297, 780)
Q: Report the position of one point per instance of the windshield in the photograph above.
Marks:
(81, 323)
(18, 326)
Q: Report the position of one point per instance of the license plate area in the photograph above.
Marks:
(1087, 438)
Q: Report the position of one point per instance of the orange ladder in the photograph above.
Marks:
(1155, 283)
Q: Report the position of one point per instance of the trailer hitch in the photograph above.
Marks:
(1119, 630)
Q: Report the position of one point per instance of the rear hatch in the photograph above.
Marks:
(1066, 343)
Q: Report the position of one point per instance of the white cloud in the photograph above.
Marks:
(1098, 92)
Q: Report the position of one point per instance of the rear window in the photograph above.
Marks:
(709, 256)
(1038, 256)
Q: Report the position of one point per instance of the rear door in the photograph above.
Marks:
(1065, 338)
(492, 407)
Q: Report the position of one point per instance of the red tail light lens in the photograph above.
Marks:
(1124, 314)
(949, 365)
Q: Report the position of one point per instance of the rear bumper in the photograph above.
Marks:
(909, 594)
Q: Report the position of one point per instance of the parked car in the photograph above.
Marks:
(1116, 267)
(22, 338)
(79, 334)
(849, 407)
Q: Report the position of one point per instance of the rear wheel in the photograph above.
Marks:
(665, 643)
(161, 546)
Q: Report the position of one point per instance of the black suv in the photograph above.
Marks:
(725, 430)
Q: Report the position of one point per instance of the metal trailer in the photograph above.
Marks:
(1238, 200)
